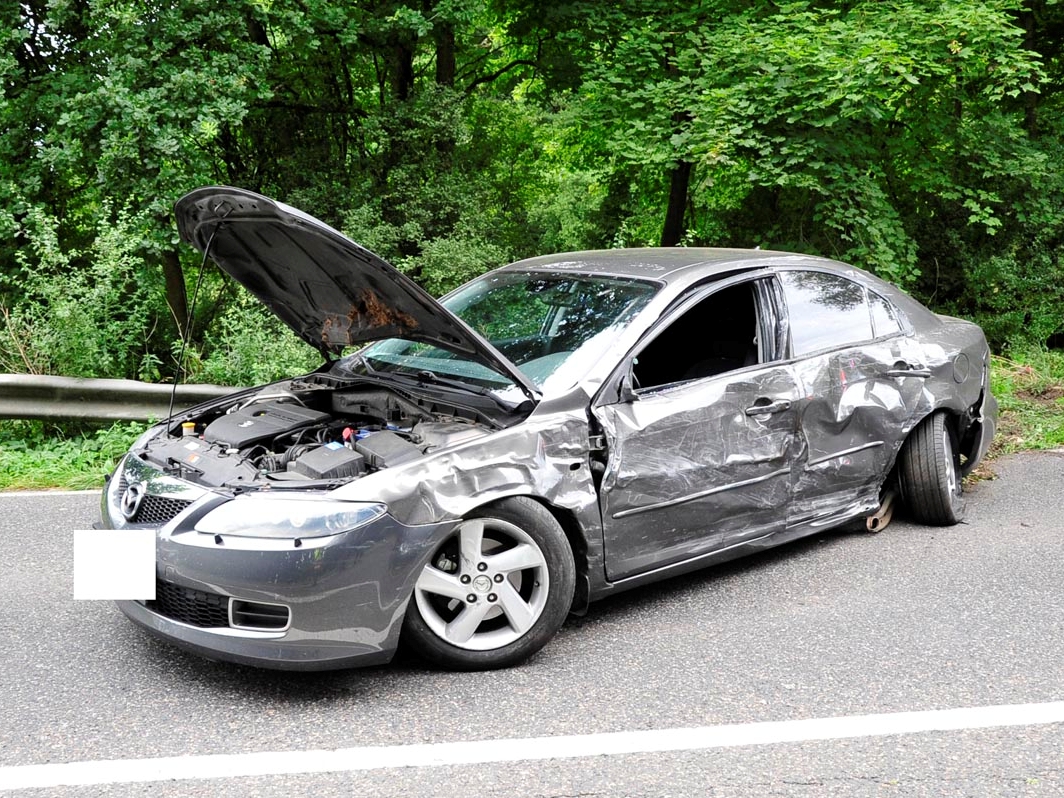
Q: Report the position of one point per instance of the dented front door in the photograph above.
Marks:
(697, 467)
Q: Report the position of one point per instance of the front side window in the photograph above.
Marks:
(717, 335)
(826, 311)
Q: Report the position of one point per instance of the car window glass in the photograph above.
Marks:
(825, 311)
(884, 317)
(717, 335)
(549, 325)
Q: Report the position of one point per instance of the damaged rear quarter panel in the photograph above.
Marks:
(854, 417)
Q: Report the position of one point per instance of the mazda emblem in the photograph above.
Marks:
(131, 500)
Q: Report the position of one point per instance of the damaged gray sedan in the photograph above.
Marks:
(552, 432)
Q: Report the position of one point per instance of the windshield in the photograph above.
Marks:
(553, 327)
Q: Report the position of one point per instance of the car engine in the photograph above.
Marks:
(311, 430)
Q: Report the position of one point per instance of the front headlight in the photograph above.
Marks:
(261, 516)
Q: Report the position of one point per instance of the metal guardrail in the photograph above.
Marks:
(31, 396)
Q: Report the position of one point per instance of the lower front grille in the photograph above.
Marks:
(211, 610)
(194, 607)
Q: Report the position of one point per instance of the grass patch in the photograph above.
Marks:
(1030, 391)
(37, 455)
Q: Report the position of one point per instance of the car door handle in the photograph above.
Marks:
(764, 406)
(903, 369)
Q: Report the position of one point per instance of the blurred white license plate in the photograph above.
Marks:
(114, 564)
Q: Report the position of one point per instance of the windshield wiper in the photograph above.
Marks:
(359, 359)
(424, 377)
(365, 363)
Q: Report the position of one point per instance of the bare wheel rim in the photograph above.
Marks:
(485, 587)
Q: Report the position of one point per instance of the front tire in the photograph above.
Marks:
(495, 591)
(929, 474)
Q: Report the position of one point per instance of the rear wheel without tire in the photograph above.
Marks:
(495, 591)
(929, 473)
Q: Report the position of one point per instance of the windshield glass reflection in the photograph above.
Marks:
(545, 324)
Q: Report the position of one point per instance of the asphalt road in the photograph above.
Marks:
(911, 619)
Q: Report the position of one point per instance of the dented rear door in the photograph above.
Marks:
(863, 382)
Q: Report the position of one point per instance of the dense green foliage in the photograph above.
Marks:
(917, 138)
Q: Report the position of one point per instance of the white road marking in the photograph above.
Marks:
(475, 752)
(22, 494)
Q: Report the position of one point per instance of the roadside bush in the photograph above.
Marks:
(248, 345)
(1018, 301)
(446, 263)
(91, 321)
(1030, 390)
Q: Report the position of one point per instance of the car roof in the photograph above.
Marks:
(680, 267)
(668, 265)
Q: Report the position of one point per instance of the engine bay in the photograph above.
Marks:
(311, 431)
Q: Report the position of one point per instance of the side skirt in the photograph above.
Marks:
(735, 551)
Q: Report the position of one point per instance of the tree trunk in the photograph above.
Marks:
(176, 297)
(1030, 14)
(403, 70)
(445, 69)
(445, 57)
(672, 231)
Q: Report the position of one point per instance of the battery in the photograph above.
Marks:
(384, 449)
(330, 461)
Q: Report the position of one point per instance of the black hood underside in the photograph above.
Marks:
(331, 291)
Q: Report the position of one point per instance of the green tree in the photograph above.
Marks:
(130, 106)
(916, 137)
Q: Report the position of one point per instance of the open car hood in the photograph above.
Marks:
(331, 291)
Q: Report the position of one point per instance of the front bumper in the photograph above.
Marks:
(346, 593)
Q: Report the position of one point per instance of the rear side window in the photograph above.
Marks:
(826, 311)
(884, 316)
